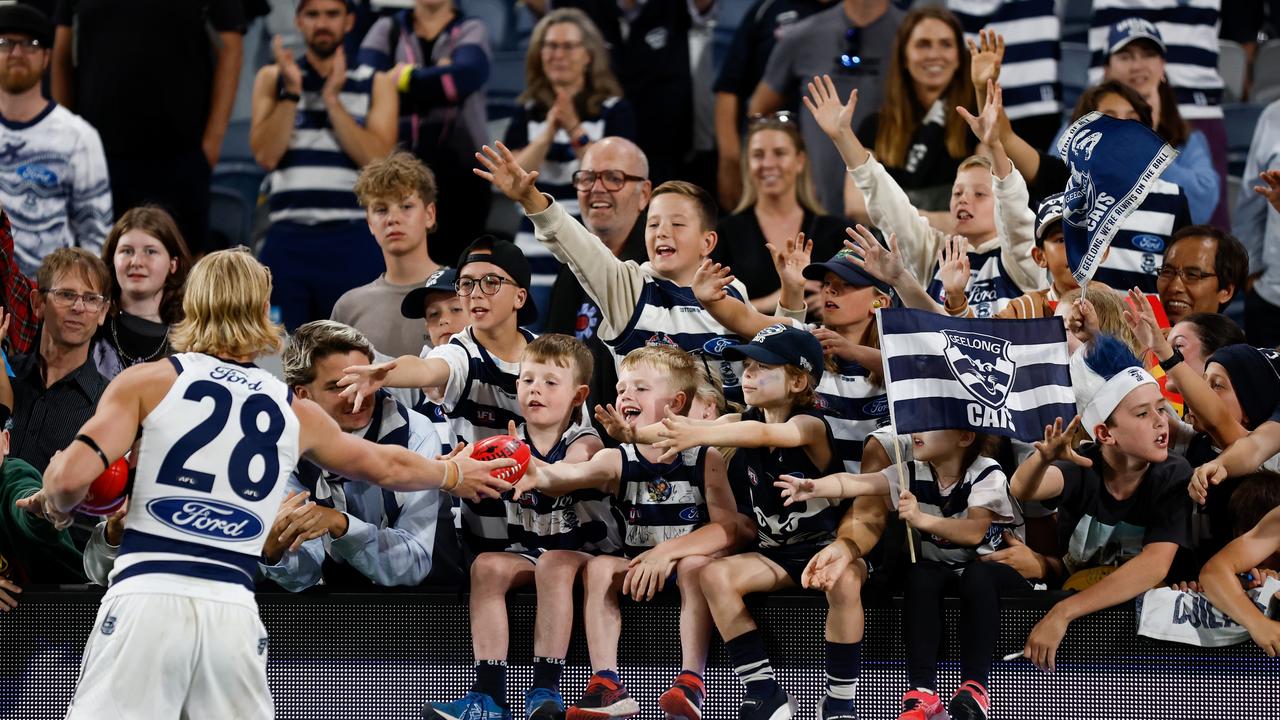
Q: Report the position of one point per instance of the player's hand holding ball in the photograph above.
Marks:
(107, 493)
(489, 469)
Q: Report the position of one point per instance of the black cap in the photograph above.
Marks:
(414, 304)
(844, 268)
(506, 255)
(26, 20)
(782, 345)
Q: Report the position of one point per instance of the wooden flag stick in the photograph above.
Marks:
(902, 477)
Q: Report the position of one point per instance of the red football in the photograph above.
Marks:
(106, 494)
(504, 446)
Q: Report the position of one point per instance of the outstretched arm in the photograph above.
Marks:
(1036, 478)
(837, 485)
(406, 371)
(679, 433)
(739, 318)
(1222, 586)
(602, 471)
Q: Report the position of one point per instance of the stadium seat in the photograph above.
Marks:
(1266, 73)
(229, 217)
(496, 15)
(1074, 71)
(506, 81)
(1241, 119)
(1232, 66)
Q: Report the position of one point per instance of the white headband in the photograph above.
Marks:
(1110, 395)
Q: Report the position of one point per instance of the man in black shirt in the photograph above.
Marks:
(56, 387)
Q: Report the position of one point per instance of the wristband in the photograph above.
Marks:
(403, 81)
(283, 95)
(94, 447)
(452, 475)
(1171, 362)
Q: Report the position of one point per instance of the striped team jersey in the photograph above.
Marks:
(1137, 251)
(479, 398)
(984, 485)
(990, 287)
(1189, 29)
(854, 407)
(1031, 30)
(215, 456)
(658, 502)
(313, 181)
(668, 314)
(752, 472)
(581, 520)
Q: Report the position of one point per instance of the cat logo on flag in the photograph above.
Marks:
(981, 363)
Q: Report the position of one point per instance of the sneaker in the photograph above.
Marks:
(604, 698)
(970, 702)
(824, 714)
(543, 704)
(778, 706)
(920, 705)
(472, 706)
(684, 699)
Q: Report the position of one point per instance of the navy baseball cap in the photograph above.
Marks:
(26, 20)
(414, 304)
(1049, 212)
(844, 268)
(782, 345)
(506, 255)
(1131, 29)
(299, 4)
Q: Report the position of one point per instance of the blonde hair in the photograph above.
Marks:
(976, 161)
(1110, 306)
(395, 177)
(806, 396)
(599, 85)
(711, 387)
(226, 302)
(805, 193)
(563, 351)
(678, 366)
(315, 341)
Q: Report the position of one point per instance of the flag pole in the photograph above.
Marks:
(893, 429)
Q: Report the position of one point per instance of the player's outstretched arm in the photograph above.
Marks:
(1222, 586)
(391, 466)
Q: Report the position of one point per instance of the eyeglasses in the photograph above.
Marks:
(489, 284)
(613, 180)
(1188, 275)
(782, 117)
(67, 298)
(552, 46)
(7, 45)
(851, 58)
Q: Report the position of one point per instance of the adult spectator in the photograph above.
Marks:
(1258, 227)
(1191, 32)
(853, 42)
(16, 291)
(441, 65)
(399, 199)
(1030, 80)
(613, 191)
(649, 44)
(778, 201)
(1200, 335)
(53, 174)
(571, 100)
(148, 262)
(315, 123)
(56, 386)
(363, 535)
(917, 134)
(1203, 268)
(740, 71)
(157, 56)
(1136, 57)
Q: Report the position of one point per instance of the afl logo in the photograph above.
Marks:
(206, 518)
(1148, 243)
(877, 407)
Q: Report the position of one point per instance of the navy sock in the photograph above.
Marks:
(491, 679)
(610, 675)
(844, 663)
(546, 672)
(752, 664)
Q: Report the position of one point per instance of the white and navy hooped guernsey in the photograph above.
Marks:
(212, 468)
(658, 502)
(853, 407)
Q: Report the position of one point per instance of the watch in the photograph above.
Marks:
(285, 96)
(1172, 362)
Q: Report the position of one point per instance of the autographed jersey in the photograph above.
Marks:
(211, 472)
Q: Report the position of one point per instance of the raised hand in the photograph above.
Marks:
(794, 489)
(290, 73)
(1142, 320)
(505, 174)
(833, 116)
(986, 125)
(1057, 443)
(1210, 473)
(791, 260)
(953, 265)
(614, 424)
(710, 280)
(337, 76)
(1271, 187)
(362, 381)
(985, 57)
(882, 264)
(1082, 320)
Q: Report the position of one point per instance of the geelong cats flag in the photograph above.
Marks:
(1113, 164)
(1008, 377)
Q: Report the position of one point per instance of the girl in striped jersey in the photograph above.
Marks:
(677, 515)
(550, 538)
(988, 202)
(958, 499)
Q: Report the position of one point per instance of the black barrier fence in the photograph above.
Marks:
(382, 655)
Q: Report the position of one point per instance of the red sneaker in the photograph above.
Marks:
(920, 705)
(684, 699)
(604, 698)
(970, 702)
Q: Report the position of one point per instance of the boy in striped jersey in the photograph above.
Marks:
(678, 515)
(550, 539)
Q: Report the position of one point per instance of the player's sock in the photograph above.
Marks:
(844, 663)
(491, 679)
(752, 664)
(546, 672)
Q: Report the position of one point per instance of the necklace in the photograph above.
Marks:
(129, 361)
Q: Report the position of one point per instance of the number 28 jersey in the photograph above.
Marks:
(211, 472)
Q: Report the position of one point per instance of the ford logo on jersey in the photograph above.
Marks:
(877, 407)
(715, 346)
(1148, 243)
(206, 518)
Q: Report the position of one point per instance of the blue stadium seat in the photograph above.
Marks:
(1232, 66)
(496, 15)
(1241, 119)
(506, 81)
(1074, 70)
(229, 217)
(1266, 73)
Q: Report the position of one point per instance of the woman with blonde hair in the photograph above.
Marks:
(778, 201)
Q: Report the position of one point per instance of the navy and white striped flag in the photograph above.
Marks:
(1007, 377)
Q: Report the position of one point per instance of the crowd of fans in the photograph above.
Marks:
(865, 156)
